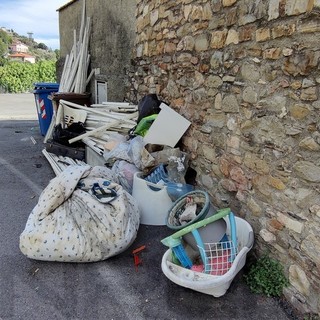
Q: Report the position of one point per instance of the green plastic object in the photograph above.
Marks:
(144, 125)
(175, 239)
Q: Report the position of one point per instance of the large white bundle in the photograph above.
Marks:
(70, 224)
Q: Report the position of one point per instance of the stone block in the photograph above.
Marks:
(267, 236)
(232, 37)
(231, 17)
(283, 30)
(272, 53)
(273, 9)
(296, 7)
(218, 39)
(230, 104)
(214, 81)
(250, 95)
(299, 280)
(307, 170)
(246, 33)
(252, 162)
(309, 94)
(201, 42)
(154, 16)
(289, 222)
(310, 144)
(299, 111)
(311, 247)
(276, 183)
(228, 3)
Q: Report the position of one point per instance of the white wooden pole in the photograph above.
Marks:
(102, 128)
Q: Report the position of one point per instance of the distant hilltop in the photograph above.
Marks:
(23, 48)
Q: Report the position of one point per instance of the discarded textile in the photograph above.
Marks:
(72, 223)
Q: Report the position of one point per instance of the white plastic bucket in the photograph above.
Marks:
(206, 283)
(153, 200)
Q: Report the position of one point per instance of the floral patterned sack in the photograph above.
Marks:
(81, 216)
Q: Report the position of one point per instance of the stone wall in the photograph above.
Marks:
(246, 73)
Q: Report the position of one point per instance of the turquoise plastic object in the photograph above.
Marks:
(233, 236)
(181, 255)
(200, 244)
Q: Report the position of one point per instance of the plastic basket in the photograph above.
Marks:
(212, 284)
(219, 258)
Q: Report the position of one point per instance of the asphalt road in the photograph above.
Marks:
(111, 289)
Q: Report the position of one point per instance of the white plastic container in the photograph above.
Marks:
(207, 283)
(153, 200)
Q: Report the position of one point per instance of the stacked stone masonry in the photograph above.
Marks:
(246, 74)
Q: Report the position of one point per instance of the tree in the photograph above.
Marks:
(57, 52)
(42, 46)
(5, 37)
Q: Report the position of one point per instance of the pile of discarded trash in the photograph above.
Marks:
(92, 212)
(88, 212)
(117, 166)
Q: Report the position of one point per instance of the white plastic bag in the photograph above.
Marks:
(132, 151)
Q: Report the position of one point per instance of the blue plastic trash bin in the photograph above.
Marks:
(44, 106)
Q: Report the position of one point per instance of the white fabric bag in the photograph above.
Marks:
(71, 224)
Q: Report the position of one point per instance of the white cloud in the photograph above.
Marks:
(36, 16)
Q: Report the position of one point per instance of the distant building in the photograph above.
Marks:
(23, 57)
(6, 30)
(18, 46)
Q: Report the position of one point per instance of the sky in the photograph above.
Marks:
(37, 16)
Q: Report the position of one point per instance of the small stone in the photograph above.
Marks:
(307, 170)
(228, 3)
(290, 223)
(267, 236)
(287, 52)
(309, 144)
(276, 183)
(299, 280)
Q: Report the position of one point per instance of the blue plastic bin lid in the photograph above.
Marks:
(46, 85)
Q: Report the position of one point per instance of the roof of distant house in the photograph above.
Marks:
(20, 55)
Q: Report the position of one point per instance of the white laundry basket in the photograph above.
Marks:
(215, 285)
(153, 200)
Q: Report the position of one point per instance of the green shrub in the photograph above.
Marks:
(17, 77)
(266, 276)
